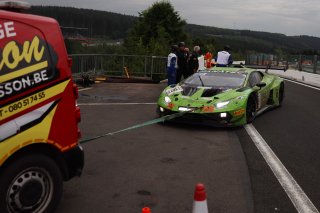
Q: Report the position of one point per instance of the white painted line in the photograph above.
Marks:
(297, 196)
(113, 104)
(306, 85)
(84, 89)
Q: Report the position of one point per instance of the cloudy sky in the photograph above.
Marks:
(290, 17)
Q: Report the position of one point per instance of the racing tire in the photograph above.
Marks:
(281, 94)
(251, 109)
(31, 183)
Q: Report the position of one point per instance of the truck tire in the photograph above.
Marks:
(31, 183)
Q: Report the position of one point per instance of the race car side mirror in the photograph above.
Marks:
(261, 84)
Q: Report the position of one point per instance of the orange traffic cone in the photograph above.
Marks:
(200, 200)
(146, 210)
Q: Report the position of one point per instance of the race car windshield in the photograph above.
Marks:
(216, 79)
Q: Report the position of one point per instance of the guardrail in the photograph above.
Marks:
(152, 67)
(310, 63)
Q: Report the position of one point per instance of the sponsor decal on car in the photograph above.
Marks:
(174, 90)
(239, 112)
(208, 109)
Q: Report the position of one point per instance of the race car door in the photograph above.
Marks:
(255, 78)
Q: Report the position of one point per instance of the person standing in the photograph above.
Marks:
(187, 53)
(182, 62)
(172, 65)
(208, 59)
(193, 62)
(224, 58)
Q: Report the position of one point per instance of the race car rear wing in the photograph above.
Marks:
(267, 67)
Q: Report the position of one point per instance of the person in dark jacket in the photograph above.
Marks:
(193, 62)
(182, 62)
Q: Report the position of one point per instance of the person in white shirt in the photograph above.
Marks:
(224, 58)
(172, 65)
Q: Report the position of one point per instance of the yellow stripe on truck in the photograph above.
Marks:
(25, 138)
(24, 71)
(32, 100)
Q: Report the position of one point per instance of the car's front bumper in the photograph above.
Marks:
(218, 119)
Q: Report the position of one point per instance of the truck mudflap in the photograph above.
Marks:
(74, 159)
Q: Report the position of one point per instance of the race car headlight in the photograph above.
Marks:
(225, 103)
(167, 99)
(222, 104)
(184, 109)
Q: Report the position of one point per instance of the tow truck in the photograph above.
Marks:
(39, 116)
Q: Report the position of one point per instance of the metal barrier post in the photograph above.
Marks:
(247, 60)
(300, 62)
(101, 63)
(81, 69)
(315, 61)
(122, 65)
(145, 66)
(152, 65)
(318, 60)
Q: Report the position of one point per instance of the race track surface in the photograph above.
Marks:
(159, 165)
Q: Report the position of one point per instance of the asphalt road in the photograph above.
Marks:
(292, 132)
(159, 165)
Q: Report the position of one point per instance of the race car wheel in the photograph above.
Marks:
(251, 109)
(32, 183)
(281, 93)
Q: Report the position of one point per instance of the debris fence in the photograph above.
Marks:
(306, 63)
(154, 67)
(151, 67)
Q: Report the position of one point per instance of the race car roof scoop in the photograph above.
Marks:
(211, 92)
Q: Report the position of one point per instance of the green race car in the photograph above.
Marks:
(222, 96)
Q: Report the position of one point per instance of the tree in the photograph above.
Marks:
(158, 27)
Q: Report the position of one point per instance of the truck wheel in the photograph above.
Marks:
(32, 183)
